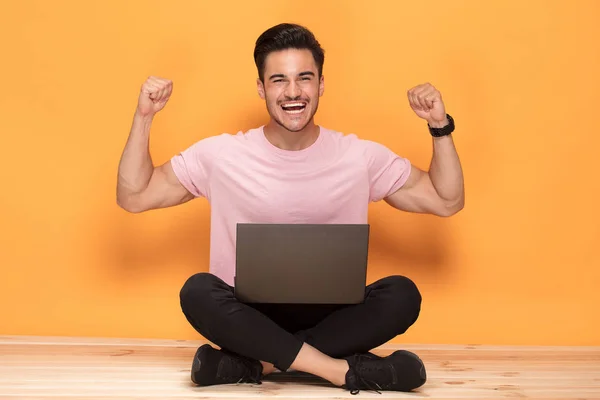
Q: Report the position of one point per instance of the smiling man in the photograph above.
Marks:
(294, 171)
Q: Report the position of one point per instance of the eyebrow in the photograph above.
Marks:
(305, 73)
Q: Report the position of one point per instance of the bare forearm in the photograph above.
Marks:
(135, 167)
(445, 171)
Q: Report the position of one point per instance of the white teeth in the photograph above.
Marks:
(293, 105)
(286, 107)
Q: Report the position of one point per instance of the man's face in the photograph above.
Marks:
(292, 88)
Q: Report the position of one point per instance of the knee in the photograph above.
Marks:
(405, 298)
(404, 288)
(195, 289)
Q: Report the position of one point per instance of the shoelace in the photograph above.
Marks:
(233, 366)
(247, 377)
(358, 365)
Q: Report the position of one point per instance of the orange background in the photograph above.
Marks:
(519, 265)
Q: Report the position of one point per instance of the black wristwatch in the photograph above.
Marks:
(446, 130)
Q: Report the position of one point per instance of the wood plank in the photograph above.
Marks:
(107, 368)
(69, 341)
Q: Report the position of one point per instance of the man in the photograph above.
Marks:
(293, 171)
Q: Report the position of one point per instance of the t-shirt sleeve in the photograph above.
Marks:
(387, 170)
(193, 165)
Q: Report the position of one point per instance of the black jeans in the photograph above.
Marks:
(275, 333)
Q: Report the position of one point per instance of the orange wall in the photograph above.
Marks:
(520, 264)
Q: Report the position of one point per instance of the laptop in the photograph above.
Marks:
(301, 263)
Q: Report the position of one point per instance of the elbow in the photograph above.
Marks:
(130, 205)
(452, 208)
(131, 209)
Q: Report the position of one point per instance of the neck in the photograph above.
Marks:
(286, 140)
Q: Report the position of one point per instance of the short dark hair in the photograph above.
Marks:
(286, 36)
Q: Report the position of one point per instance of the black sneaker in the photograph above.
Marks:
(400, 371)
(372, 356)
(218, 367)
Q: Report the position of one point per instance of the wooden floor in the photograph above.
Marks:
(83, 368)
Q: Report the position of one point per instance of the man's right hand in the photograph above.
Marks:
(154, 95)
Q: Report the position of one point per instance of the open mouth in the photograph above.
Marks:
(293, 108)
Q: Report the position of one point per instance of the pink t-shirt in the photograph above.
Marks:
(247, 179)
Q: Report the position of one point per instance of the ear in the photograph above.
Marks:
(261, 88)
(321, 85)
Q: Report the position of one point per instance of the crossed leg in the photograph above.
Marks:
(313, 339)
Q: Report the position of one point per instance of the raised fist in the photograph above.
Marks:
(154, 95)
(426, 101)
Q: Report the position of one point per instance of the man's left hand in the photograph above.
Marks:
(426, 102)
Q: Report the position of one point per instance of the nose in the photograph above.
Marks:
(293, 90)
